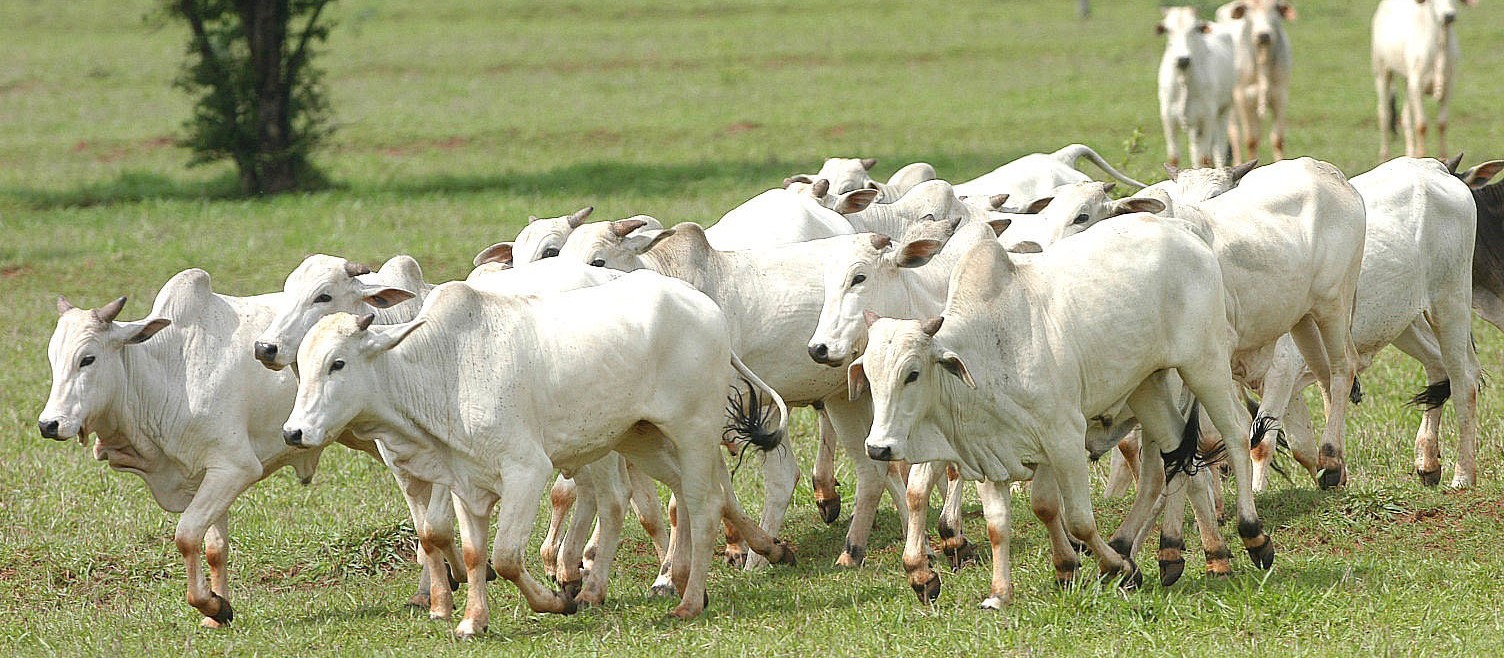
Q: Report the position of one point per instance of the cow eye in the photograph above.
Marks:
(858, 279)
(86, 361)
(599, 262)
(1082, 218)
(338, 364)
(550, 252)
(322, 298)
(913, 377)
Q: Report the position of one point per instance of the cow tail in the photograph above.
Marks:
(748, 421)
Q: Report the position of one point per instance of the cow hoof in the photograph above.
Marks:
(567, 603)
(682, 613)
(226, 613)
(830, 510)
(737, 560)
(783, 554)
(570, 589)
(420, 602)
(928, 590)
(468, 630)
(1133, 578)
(1262, 555)
(1431, 478)
(1332, 478)
(449, 575)
(961, 556)
(993, 603)
(852, 556)
(1170, 571)
(665, 589)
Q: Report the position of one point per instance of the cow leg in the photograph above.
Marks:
(952, 538)
(473, 534)
(1300, 433)
(1122, 466)
(208, 508)
(1443, 116)
(571, 555)
(1044, 498)
(1211, 382)
(758, 540)
(1243, 125)
(560, 499)
(780, 477)
(217, 555)
(703, 488)
(1328, 350)
(852, 422)
(1202, 490)
(917, 555)
(1172, 148)
(827, 498)
(1073, 481)
(1279, 98)
(1383, 84)
(663, 585)
(611, 511)
(997, 506)
(1153, 403)
(1171, 555)
(1199, 145)
(1281, 389)
(1451, 321)
(1415, 115)
(1420, 343)
(649, 508)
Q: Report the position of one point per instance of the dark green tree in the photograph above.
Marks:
(260, 101)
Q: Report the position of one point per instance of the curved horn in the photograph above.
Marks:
(1453, 163)
(578, 218)
(932, 326)
(880, 241)
(1172, 171)
(356, 269)
(108, 312)
(364, 322)
(63, 305)
(1242, 170)
(997, 201)
(620, 228)
(869, 163)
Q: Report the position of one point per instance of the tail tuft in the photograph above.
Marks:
(1433, 396)
(1355, 394)
(1185, 458)
(749, 417)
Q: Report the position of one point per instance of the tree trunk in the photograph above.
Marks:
(265, 24)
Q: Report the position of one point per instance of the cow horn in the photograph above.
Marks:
(532, 218)
(932, 326)
(1454, 163)
(880, 241)
(997, 201)
(869, 163)
(622, 227)
(820, 189)
(1108, 187)
(578, 218)
(108, 312)
(63, 305)
(364, 322)
(356, 269)
(1242, 170)
(1172, 171)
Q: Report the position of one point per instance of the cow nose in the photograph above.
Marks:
(1448, 17)
(819, 353)
(48, 428)
(265, 352)
(1263, 38)
(880, 453)
(293, 437)
(1183, 63)
(599, 262)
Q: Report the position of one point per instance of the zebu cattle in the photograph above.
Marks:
(949, 388)
(494, 434)
(935, 199)
(1262, 59)
(1196, 78)
(1071, 209)
(848, 174)
(1415, 292)
(771, 297)
(177, 400)
(1488, 250)
(1415, 40)
(1033, 176)
(775, 217)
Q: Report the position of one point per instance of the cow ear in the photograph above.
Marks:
(63, 305)
(1038, 206)
(820, 188)
(1479, 176)
(643, 239)
(869, 163)
(999, 225)
(1159, 28)
(500, 252)
(856, 201)
(917, 253)
(856, 380)
(384, 296)
(953, 365)
(1238, 11)
(381, 339)
(1137, 204)
(1026, 247)
(1287, 10)
(139, 331)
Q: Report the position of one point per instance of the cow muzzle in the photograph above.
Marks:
(880, 453)
(266, 353)
(49, 429)
(820, 352)
(1263, 38)
(1447, 18)
(293, 438)
(1182, 63)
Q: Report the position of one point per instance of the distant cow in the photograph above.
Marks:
(1414, 40)
(1263, 60)
(1196, 76)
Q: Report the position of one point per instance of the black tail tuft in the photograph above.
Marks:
(1183, 458)
(749, 419)
(1355, 394)
(1433, 396)
(1263, 425)
(1394, 114)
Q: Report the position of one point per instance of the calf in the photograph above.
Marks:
(1262, 58)
(493, 435)
(1196, 77)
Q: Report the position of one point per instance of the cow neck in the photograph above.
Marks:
(147, 413)
(686, 257)
(930, 283)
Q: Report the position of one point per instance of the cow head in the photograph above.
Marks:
(906, 366)
(543, 238)
(323, 285)
(336, 375)
(1445, 11)
(847, 174)
(618, 245)
(1183, 33)
(863, 273)
(1073, 208)
(88, 370)
(1265, 18)
(1197, 185)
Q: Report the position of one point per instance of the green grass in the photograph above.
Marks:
(458, 119)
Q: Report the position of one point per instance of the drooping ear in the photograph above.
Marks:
(856, 201)
(1239, 171)
(917, 253)
(1479, 176)
(820, 188)
(63, 305)
(797, 178)
(108, 312)
(856, 380)
(1026, 247)
(999, 225)
(381, 339)
(996, 201)
(1137, 204)
(1239, 10)
(953, 365)
(1172, 171)
(643, 239)
(1159, 28)
(1038, 206)
(139, 331)
(500, 252)
(578, 217)
(356, 269)
(869, 163)
(1287, 10)
(384, 296)
(931, 326)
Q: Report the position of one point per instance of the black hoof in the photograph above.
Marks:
(226, 613)
(830, 510)
(490, 572)
(1430, 479)
(961, 556)
(1133, 577)
(1263, 556)
(1122, 547)
(570, 605)
(929, 590)
(1330, 478)
(449, 576)
(736, 560)
(1170, 571)
(570, 589)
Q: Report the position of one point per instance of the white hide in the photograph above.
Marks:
(1417, 42)
(1033, 176)
(1262, 59)
(1196, 75)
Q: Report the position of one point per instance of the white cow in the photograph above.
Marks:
(771, 297)
(1415, 291)
(1071, 209)
(934, 199)
(847, 174)
(177, 399)
(494, 434)
(777, 216)
(1263, 60)
(1035, 175)
(1030, 350)
(1414, 40)
(540, 239)
(1196, 76)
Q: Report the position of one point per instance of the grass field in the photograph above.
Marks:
(459, 118)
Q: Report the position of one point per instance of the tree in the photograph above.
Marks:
(260, 101)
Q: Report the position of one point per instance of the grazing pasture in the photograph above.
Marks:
(457, 119)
